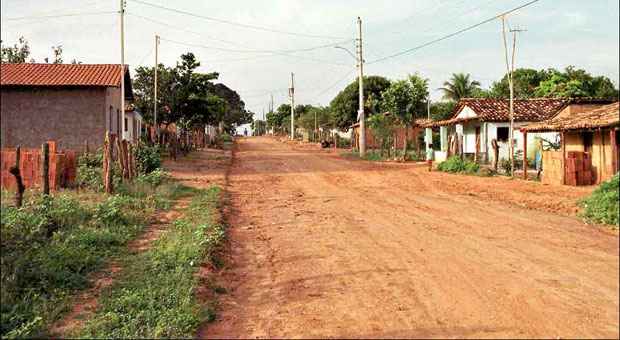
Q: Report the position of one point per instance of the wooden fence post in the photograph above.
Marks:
(525, 155)
(125, 159)
(45, 173)
(495, 154)
(14, 170)
(131, 161)
(107, 162)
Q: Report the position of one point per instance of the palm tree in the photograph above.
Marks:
(459, 86)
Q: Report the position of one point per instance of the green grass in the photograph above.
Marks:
(52, 243)
(155, 297)
(602, 205)
(375, 155)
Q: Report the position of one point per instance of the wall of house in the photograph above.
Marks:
(601, 152)
(504, 147)
(113, 110)
(70, 116)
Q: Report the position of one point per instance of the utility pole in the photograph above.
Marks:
(360, 112)
(315, 131)
(155, 90)
(292, 95)
(510, 69)
(123, 127)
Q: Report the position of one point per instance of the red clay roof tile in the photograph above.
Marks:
(60, 75)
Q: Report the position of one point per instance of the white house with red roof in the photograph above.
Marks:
(476, 122)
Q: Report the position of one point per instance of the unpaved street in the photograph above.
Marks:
(323, 246)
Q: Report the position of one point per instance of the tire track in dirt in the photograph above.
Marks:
(388, 252)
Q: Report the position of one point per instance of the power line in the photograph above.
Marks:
(452, 34)
(59, 15)
(286, 54)
(332, 85)
(305, 49)
(228, 22)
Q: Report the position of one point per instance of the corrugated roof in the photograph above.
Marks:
(603, 116)
(60, 75)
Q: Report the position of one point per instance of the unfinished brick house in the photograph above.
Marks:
(67, 103)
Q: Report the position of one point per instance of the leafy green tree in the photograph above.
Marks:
(442, 110)
(318, 115)
(525, 82)
(572, 82)
(345, 105)
(460, 86)
(16, 54)
(276, 119)
(405, 99)
(383, 128)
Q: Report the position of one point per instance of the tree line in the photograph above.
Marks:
(407, 99)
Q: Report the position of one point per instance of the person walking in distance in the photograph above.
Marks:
(429, 156)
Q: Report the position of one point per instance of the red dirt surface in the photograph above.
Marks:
(323, 246)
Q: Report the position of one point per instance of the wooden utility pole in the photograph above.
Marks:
(45, 173)
(360, 112)
(510, 69)
(14, 170)
(155, 90)
(122, 13)
(292, 95)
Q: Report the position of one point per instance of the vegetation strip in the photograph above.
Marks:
(602, 205)
(155, 294)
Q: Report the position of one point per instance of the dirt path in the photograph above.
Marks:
(323, 246)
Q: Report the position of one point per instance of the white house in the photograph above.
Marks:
(479, 121)
(133, 124)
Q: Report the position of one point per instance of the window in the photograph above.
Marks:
(125, 124)
(502, 134)
(118, 122)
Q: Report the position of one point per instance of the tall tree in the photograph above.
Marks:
(460, 86)
(345, 105)
(405, 99)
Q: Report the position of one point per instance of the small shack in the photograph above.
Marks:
(589, 146)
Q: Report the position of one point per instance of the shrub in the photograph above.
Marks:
(154, 178)
(505, 164)
(602, 205)
(455, 164)
(148, 158)
(89, 171)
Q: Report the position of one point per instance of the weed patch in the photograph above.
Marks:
(51, 244)
(602, 205)
(154, 297)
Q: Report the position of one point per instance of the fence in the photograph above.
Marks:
(62, 167)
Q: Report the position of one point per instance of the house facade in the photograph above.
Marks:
(69, 103)
(478, 122)
(590, 141)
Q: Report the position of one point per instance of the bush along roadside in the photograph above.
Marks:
(602, 205)
(455, 164)
(155, 295)
(51, 244)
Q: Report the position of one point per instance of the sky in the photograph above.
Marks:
(255, 45)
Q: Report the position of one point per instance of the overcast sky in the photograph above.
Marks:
(559, 33)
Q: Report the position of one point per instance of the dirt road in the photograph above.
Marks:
(323, 246)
